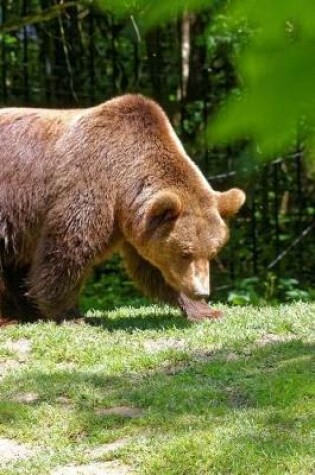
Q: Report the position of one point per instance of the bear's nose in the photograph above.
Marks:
(202, 295)
(201, 279)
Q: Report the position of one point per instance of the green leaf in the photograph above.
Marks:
(277, 73)
(237, 298)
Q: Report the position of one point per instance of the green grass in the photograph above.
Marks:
(234, 396)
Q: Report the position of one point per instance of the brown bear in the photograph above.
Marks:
(78, 185)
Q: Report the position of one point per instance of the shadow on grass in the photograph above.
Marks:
(266, 394)
(274, 375)
(140, 319)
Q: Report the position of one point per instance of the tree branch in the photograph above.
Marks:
(43, 16)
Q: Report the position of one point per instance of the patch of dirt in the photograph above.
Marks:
(203, 355)
(98, 452)
(11, 451)
(121, 411)
(7, 365)
(154, 346)
(22, 347)
(26, 397)
(66, 366)
(97, 468)
(231, 356)
(270, 338)
(66, 401)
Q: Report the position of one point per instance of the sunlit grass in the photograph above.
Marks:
(231, 396)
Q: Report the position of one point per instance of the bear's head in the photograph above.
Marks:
(181, 238)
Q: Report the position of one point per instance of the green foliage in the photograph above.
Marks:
(245, 292)
(275, 104)
(292, 291)
(8, 40)
(153, 12)
(277, 73)
(256, 291)
(110, 289)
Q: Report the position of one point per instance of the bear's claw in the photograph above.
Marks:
(198, 310)
(7, 321)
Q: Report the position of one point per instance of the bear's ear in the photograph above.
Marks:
(229, 202)
(164, 207)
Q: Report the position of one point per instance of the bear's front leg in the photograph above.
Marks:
(151, 282)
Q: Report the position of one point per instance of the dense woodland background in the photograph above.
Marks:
(52, 56)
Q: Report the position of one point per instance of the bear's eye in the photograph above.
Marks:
(187, 255)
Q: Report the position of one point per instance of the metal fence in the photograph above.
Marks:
(83, 57)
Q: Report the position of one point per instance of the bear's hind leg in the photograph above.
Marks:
(55, 293)
(6, 306)
(55, 281)
(14, 304)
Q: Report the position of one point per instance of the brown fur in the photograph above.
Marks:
(78, 185)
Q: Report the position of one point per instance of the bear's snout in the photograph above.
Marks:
(197, 282)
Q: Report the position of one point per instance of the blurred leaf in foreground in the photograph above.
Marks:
(277, 74)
